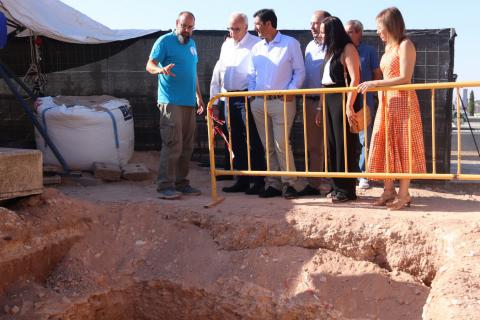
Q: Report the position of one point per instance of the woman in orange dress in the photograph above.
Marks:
(398, 124)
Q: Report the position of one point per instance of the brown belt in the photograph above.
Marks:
(289, 98)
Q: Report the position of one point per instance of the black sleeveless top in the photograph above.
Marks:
(337, 70)
(337, 74)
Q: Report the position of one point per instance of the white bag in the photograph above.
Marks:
(86, 130)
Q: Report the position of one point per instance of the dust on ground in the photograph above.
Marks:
(87, 249)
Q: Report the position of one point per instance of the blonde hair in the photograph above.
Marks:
(392, 20)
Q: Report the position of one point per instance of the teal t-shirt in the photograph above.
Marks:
(179, 90)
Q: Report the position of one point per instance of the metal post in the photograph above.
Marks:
(4, 73)
(211, 151)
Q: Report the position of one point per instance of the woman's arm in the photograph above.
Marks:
(352, 63)
(408, 55)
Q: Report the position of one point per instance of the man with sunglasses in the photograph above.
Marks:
(174, 59)
(230, 74)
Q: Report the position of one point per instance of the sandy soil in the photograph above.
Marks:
(94, 250)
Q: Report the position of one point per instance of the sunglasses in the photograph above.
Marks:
(187, 27)
(234, 29)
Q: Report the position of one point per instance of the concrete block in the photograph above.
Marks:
(85, 180)
(21, 173)
(135, 172)
(106, 171)
(52, 179)
(51, 168)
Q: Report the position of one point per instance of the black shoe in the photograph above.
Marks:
(309, 191)
(331, 193)
(270, 192)
(341, 197)
(223, 178)
(290, 193)
(255, 189)
(237, 187)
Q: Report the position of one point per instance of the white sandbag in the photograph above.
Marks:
(86, 130)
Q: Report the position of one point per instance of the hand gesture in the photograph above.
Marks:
(168, 70)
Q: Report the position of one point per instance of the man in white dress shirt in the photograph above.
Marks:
(277, 64)
(230, 74)
(314, 58)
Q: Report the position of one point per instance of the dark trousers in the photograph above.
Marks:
(336, 154)
(239, 141)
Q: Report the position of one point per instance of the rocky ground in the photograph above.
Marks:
(93, 250)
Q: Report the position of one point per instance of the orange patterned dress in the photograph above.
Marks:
(392, 125)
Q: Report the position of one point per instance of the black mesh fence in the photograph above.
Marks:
(118, 69)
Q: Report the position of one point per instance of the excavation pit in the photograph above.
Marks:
(124, 254)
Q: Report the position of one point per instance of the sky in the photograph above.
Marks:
(461, 15)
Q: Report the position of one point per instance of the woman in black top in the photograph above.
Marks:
(341, 60)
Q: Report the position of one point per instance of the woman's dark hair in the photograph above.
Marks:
(336, 38)
(267, 15)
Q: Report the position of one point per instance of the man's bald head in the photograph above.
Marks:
(239, 17)
(317, 19)
(184, 26)
(321, 14)
(238, 26)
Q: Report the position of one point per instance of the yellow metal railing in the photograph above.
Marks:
(304, 93)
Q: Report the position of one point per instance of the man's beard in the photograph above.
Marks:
(183, 39)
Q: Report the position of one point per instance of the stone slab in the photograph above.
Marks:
(51, 168)
(106, 171)
(52, 179)
(21, 173)
(135, 172)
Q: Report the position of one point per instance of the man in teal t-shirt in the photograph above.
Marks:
(174, 59)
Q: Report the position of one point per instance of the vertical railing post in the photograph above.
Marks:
(344, 132)
(247, 119)
(285, 119)
(434, 155)
(459, 136)
(211, 150)
(365, 130)
(229, 128)
(305, 134)
(325, 141)
(267, 140)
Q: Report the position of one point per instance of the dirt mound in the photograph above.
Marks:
(107, 257)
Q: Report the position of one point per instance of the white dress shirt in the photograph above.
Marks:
(277, 65)
(314, 59)
(216, 84)
(231, 70)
